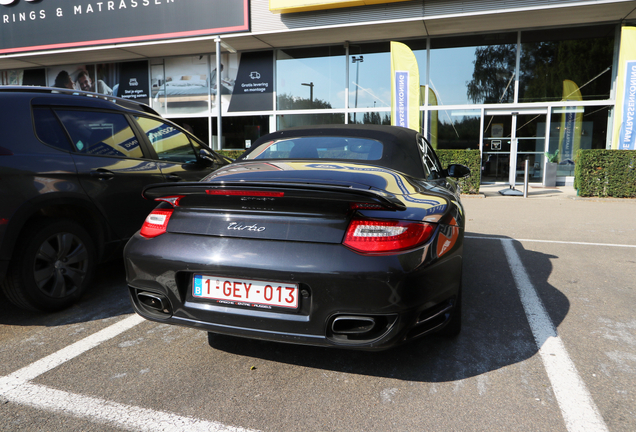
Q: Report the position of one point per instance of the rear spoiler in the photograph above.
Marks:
(355, 193)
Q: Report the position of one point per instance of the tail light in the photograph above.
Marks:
(156, 223)
(386, 236)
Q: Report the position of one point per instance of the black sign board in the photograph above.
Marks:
(254, 83)
(34, 25)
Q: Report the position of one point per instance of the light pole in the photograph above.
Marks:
(356, 60)
(311, 90)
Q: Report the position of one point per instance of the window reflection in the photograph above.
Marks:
(454, 129)
(377, 118)
(574, 128)
(557, 63)
(310, 78)
(287, 120)
(475, 69)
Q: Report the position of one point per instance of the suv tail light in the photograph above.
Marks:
(156, 223)
(386, 236)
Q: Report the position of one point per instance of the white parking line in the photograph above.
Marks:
(577, 406)
(111, 413)
(553, 241)
(49, 362)
(16, 388)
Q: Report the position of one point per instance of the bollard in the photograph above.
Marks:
(525, 180)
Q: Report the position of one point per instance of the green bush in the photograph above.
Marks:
(606, 173)
(471, 159)
(233, 154)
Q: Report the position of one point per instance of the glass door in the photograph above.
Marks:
(511, 137)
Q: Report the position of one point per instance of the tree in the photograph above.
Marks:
(493, 74)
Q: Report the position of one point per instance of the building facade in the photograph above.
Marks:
(517, 80)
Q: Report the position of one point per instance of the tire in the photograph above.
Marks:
(454, 326)
(51, 266)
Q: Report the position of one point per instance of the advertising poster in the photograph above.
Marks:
(254, 83)
(132, 81)
(405, 87)
(624, 137)
(127, 80)
(571, 124)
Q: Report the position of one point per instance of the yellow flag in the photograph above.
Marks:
(624, 136)
(432, 115)
(571, 123)
(405, 87)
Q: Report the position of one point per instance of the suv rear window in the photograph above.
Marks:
(49, 129)
(100, 133)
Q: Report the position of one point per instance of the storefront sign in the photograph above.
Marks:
(49, 24)
(287, 6)
(624, 137)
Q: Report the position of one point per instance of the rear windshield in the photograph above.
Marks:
(357, 149)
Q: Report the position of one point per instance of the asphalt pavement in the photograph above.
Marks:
(548, 344)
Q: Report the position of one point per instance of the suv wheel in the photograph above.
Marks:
(51, 267)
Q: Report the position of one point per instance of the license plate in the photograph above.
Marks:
(245, 292)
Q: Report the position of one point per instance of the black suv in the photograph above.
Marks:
(72, 168)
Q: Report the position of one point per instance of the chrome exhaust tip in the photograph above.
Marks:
(352, 325)
(154, 302)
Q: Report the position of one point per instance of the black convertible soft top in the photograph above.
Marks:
(400, 145)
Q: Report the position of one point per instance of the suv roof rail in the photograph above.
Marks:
(126, 103)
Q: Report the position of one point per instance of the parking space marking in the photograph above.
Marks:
(553, 241)
(52, 361)
(124, 416)
(17, 388)
(577, 406)
(575, 401)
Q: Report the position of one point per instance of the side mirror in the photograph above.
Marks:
(206, 157)
(457, 171)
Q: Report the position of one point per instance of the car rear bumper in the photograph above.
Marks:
(4, 265)
(347, 300)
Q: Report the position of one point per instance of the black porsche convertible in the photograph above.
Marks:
(345, 236)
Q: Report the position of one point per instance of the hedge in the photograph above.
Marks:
(232, 154)
(471, 159)
(605, 173)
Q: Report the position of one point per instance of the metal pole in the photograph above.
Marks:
(219, 127)
(525, 180)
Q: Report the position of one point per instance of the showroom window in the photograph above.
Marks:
(369, 76)
(454, 129)
(574, 128)
(370, 117)
(285, 121)
(311, 78)
(478, 69)
(566, 64)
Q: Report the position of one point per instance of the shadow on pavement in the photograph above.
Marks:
(106, 298)
(495, 331)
